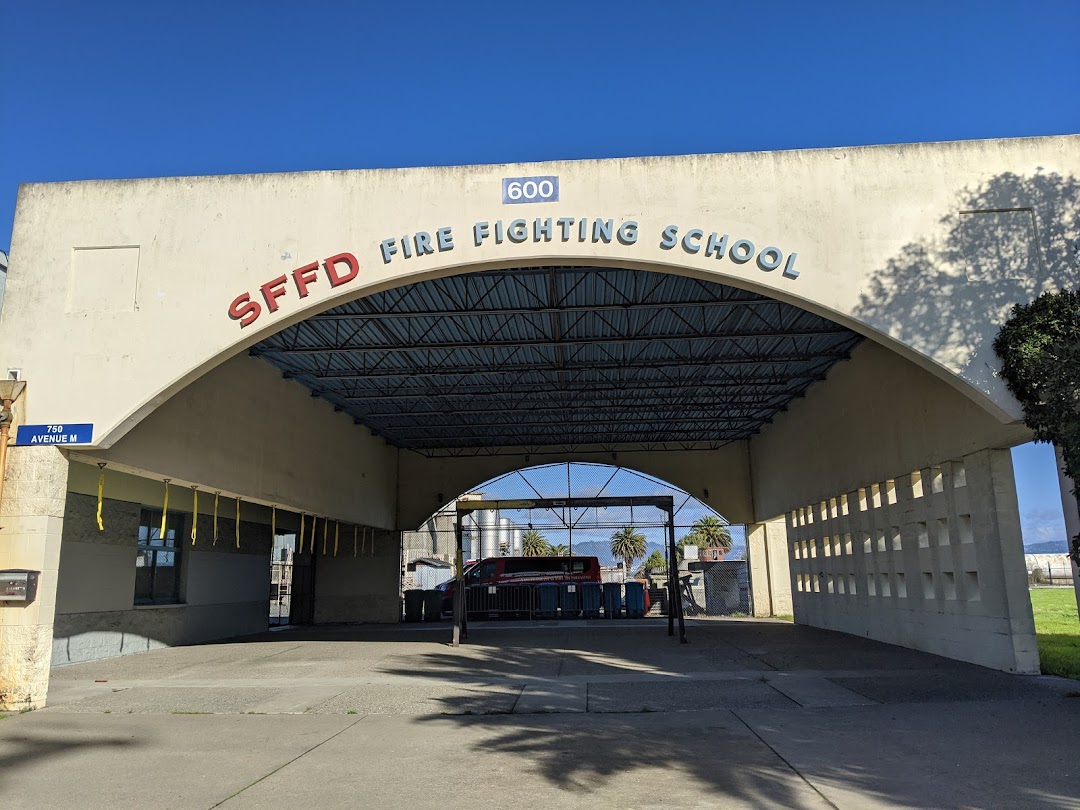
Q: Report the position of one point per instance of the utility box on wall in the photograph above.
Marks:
(18, 586)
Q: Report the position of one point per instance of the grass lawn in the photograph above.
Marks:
(1058, 630)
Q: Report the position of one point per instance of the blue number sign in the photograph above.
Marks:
(530, 190)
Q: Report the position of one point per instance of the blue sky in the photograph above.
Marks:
(129, 89)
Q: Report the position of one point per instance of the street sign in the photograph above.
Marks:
(54, 434)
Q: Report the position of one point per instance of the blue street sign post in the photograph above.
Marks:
(54, 434)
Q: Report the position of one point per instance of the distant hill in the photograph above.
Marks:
(1052, 547)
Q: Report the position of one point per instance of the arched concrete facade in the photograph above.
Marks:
(151, 291)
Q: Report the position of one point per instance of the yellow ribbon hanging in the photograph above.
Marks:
(325, 529)
(314, 527)
(337, 534)
(354, 531)
(238, 522)
(165, 509)
(100, 494)
(301, 551)
(217, 495)
(194, 513)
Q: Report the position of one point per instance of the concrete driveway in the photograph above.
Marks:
(613, 714)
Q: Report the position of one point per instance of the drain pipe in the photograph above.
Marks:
(9, 392)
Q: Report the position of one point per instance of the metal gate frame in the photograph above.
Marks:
(666, 503)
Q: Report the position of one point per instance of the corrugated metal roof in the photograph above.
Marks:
(560, 356)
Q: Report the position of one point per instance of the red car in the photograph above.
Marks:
(522, 571)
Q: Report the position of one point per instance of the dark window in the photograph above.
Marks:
(548, 565)
(157, 561)
(488, 571)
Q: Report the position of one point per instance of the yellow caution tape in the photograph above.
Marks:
(194, 513)
(325, 529)
(238, 522)
(217, 495)
(165, 509)
(301, 533)
(100, 493)
(337, 534)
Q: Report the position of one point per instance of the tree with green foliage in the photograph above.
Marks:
(561, 550)
(628, 544)
(534, 544)
(708, 531)
(655, 562)
(1039, 347)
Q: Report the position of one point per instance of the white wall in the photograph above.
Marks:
(934, 563)
(244, 430)
(876, 416)
(135, 278)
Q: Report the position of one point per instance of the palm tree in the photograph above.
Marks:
(710, 532)
(534, 544)
(560, 550)
(628, 544)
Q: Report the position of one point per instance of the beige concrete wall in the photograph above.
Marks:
(224, 589)
(935, 563)
(245, 431)
(874, 417)
(923, 245)
(363, 588)
(719, 478)
(31, 522)
(770, 575)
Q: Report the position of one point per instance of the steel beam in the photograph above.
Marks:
(268, 348)
(484, 370)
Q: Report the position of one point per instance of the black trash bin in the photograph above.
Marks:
(414, 605)
(432, 605)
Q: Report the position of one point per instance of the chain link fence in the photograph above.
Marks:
(629, 543)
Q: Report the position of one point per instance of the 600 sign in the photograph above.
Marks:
(530, 189)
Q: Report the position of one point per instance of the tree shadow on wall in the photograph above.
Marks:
(1007, 241)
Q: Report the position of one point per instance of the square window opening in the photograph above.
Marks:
(916, 484)
(158, 557)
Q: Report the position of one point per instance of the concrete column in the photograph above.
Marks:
(31, 520)
(1003, 509)
(770, 574)
(1072, 515)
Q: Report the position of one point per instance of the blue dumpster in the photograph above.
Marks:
(414, 605)
(569, 600)
(547, 600)
(590, 599)
(612, 600)
(635, 600)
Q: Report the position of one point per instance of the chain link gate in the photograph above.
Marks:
(709, 582)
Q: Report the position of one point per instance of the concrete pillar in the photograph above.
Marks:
(1072, 516)
(31, 520)
(770, 574)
